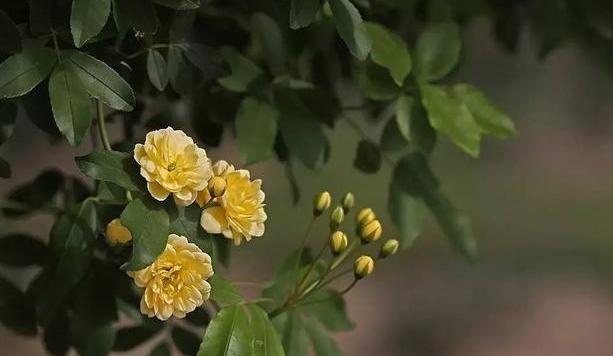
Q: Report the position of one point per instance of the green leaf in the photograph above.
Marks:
(22, 250)
(407, 213)
(404, 112)
(137, 14)
(36, 194)
(228, 334)
(491, 119)
(87, 19)
(160, 350)
(223, 292)
(156, 69)
(323, 344)
(293, 334)
(95, 312)
(101, 81)
(367, 157)
(376, 83)
(265, 339)
(149, 225)
(391, 138)
(109, 193)
(180, 73)
(300, 130)
(437, 51)
(390, 51)
(16, 309)
(72, 243)
(451, 117)
(179, 4)
(8, 114)
(186, 222)
(72, 107)
(415, 178)
(256, 129)
(351, 28)
(114, 167)
(10, 39)
(185, 341)
(270, 37)
(302, 13)
(244, 71)
(130, 337)
(328, 307)
(56, 337)
(21, 72)
(5, 169)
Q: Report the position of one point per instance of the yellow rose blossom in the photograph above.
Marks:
(173, 164)
(220, 169)
(239, 213)
(116, 233)
(175, 283)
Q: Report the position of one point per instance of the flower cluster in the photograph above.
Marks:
(232, 206)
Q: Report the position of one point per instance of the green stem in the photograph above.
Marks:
(301, 249)
(343, 256)
(102, 126)
(56, 46)
(309, 271)
(349, 287)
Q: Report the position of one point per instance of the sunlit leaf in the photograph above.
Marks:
(451, 117)
(223, 292)
(390, 51)
(437, 51)
(228, 334)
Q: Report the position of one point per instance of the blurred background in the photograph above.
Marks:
(540, 204)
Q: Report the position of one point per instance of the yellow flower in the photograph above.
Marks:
(220, 169)
(175, 283)
(116, 233)
(173, 164)
(240, 211)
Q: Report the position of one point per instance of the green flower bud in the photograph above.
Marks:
(365, 216)
(217, 186)
(338, 242)
(321, 203)
(363, 266)
(347, 202)
(389, 248)
(371, 231)
(336, 218)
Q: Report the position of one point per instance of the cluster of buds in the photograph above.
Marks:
(368, 230)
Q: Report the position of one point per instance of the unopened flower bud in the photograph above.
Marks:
(116, 233)
(321, 203)
(363, 266)
(371, 231)
(365, 216)
(389, 248)
(338, 242)
(347, 202)
(336, 218)
(217, 186)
